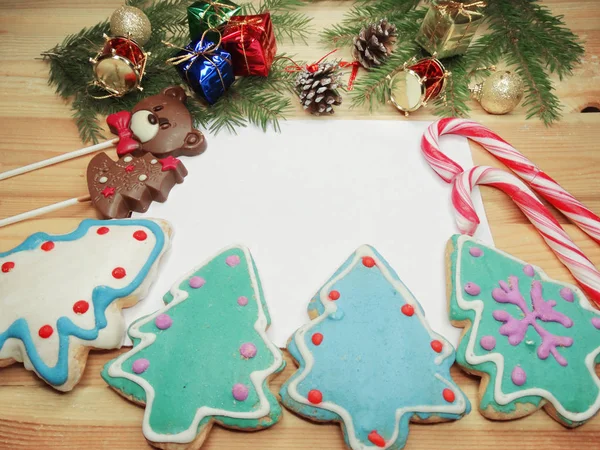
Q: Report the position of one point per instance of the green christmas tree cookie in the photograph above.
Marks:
(204, 357)
(534, 341)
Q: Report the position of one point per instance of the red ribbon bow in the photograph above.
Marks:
(315, 66)
(119, 125)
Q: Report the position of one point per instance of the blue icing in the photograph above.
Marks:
(373, 360)
(102, 297)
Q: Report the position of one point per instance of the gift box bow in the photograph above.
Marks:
(196, 53)
(467, 11)
(219, 9)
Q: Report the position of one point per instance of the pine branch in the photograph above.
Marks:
(362, 15)
(524, 42)
(286, 22)
(453, 102)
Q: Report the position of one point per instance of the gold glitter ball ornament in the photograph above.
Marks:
(131, 22)
(500, 93)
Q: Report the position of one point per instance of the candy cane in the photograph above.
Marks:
(557, 239)
(539, 181)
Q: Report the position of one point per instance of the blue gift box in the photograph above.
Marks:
(206, 69)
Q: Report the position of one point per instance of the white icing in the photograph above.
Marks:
(458, 407)
(44, 286)
(143, 177)
(128, 159)
(141, 128)
(498, 359)
(146, 339)
(102, 180)
(154, 161)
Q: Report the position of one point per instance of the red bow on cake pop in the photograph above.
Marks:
(119, 125)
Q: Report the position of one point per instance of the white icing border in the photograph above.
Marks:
(257, 377)
(459, 407)
(498, 359)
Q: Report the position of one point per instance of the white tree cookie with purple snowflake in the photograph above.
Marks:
(534, 341)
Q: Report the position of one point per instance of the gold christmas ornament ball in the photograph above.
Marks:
(131, 22)
(500, 93)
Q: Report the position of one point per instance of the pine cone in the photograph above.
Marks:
(318, 90)
(374, 43)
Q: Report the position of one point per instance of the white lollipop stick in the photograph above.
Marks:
(57, 159)
(43, 210)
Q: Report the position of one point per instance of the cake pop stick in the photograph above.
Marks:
(160, 124)
(539, 181)
(58, 159)
(557, 239)
(116, 188)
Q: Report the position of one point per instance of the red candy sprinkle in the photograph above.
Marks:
(47, 246)
(8, 266)
(118, 273)
(140, 235)
(407, 310)
(448, 395)
(129, 168)
(102, 230)
(376, 439)
(108, 191)
(368, 261)
(45, 331)
(334, 295)
(315, 396)
(317, 338)
(81, 307)
(437, 346)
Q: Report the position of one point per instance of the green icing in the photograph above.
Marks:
(196, 361)
(574, 387)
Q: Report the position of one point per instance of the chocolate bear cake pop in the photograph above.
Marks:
(164, 126)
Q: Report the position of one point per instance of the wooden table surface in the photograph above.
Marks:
(36, 124)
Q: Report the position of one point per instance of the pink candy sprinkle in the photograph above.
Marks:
(248, 350)
(528, 270)
(242, 301)
(567, 294)
(240, 392)
(163, 321)
(472, 289)
(475, 252)
(232, 260)
(197, 282)
(140, 365)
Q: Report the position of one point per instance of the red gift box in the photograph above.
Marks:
(251, 43)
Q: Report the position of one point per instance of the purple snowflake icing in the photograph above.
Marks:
(515, 329)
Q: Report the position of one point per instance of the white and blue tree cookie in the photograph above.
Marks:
(369, 360)
(61, 295)
(204, 358)
(534, 341)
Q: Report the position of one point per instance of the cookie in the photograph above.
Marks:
(61, 295)
(534, 341)
(369, 360)
(206, 352)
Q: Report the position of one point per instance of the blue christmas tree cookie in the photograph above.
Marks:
(534, 341)
(204, 357)
(369, 360)
(61, 295)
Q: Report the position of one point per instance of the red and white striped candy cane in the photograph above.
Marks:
(539, 181)
(557, 239)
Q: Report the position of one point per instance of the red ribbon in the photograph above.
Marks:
(355, 65)
(119, 125)
(315, 66)
(312, 68)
